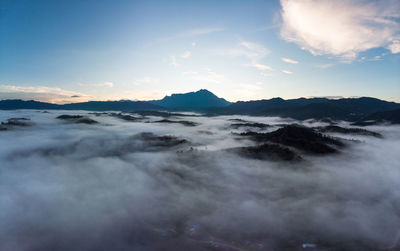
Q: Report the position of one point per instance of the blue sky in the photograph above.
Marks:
(70, 51)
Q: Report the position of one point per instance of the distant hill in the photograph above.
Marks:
(392, 116)
(89, 106)
(13, 104)
(124, 105)
(350, 109)
(192, 100)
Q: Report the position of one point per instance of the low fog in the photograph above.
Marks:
(116, 185)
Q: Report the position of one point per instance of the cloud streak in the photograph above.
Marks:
(262, 67)
(290, 61)
(287, 72)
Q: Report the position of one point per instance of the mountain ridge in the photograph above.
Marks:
(350, 109)
(192, 100)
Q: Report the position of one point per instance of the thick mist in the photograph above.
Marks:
(108, 186)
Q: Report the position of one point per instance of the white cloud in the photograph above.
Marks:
(41, 93)
(290, 61)
(253, 51)
(174, 63)
(261, 67)
(186, 54)
(342, 28)
(193, 44)
(287, 72)
(376, 58)
(395, 46)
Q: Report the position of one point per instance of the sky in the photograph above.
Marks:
(72, 51)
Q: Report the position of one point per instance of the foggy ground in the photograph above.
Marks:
(107, 186)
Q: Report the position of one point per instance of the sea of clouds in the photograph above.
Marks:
(67, 186)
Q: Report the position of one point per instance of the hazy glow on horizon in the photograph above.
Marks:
(79, 51)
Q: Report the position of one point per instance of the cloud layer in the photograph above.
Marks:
(43, 93)
(101, 187)
(341, 28)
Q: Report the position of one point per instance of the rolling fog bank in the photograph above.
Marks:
(146, 182)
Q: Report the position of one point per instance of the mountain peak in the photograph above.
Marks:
(204, 91)
(192, 100)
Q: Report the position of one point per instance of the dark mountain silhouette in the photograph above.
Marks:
(260, 106)
(392, 116)
(192, 100)
(123, 105)
(350, 109)
(13, 104)
(89, 106)
(313, 111)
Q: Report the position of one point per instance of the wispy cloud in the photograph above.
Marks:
(261, 67)
(290, 61)
(287, 72)
(41, 93)
(394, 47)
(254, 52)
(341, 28)
(186, 54)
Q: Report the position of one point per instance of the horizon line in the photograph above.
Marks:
(330, 97)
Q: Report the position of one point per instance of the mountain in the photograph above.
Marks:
(392, 116)
(358, 110)
(13, 104)
(351, 109)
(192, 100)
(89, 106)
(125, 105)
(259, 107)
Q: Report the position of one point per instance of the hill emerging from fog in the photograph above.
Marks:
(360, 110)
